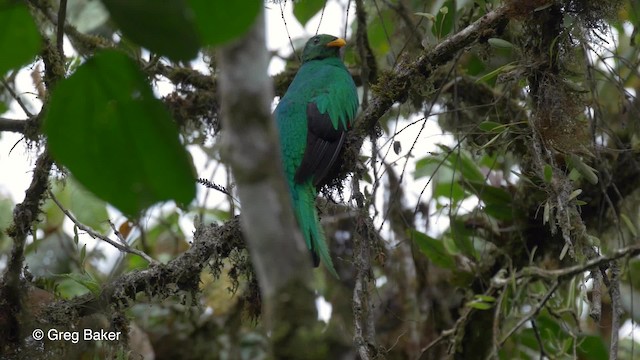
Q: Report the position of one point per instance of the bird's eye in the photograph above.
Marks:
(316, 41)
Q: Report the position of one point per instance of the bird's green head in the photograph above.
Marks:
(322, 47)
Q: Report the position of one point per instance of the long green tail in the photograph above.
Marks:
(304, 196)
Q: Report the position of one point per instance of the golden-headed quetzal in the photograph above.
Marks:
(312, 118)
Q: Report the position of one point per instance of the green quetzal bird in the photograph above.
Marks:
(313, 117)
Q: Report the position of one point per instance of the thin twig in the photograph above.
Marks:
(124, 247)
(16, 97)
(536, 332)
(62, 14)
(534, 312)
(535, 272)
(444, 335)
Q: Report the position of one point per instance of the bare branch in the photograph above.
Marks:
(565, 273)
(124, 247)
(62, 14)
(12, 125)
(16, 98)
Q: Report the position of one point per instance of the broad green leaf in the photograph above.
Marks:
(88, 209)
(19, 37)
(444, 19)
(380, 30)
(119, 142)
(219, 21)
(427, 166)
(593, 347)
(475, 65)
(434, 249)
(450, 190)
(165, 27)
(86, 280)
(489, 194)
(304, 10)
(502, 212)
(462, 237)
(52, 255)
(464, 164)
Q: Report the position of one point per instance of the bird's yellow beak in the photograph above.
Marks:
(337, 43)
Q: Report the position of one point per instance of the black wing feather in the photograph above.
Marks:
(323, 146)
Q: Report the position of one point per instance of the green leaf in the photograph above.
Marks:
(6, 216)
(165, 27)
(480, 305)
(427, 166)
(445, 19)
(429, 16)
(485, 298)
(593, 347)
(88, 209)
(119, 142)
(379, 31)
(585, 170)
(574, 194)
(219, 21)
(489, 194)
(629, 224)
(19, 37)
(491, 126)
(500, 43)
(465, 164)
(450, 190)
(434, 249)
(462, 237)
(86, 280)
(304, 10)
(500, 212)
(548, 173)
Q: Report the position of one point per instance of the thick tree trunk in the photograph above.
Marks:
(281, 261)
